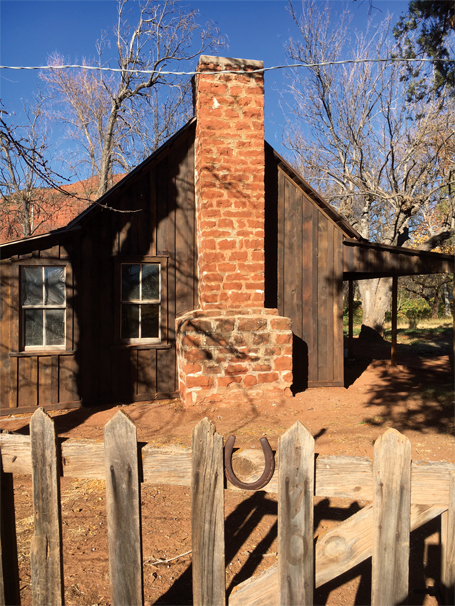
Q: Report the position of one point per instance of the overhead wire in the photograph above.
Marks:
(228, 71)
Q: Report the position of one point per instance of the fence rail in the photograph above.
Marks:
(404, 495)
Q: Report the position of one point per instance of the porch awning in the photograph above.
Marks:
(364, 260)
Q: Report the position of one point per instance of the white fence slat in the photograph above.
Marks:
(207, 516)
(295, 517)
(391, 519)
(46, 559)
(123, 511)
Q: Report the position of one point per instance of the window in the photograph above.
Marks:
(43, 306)
(141, 302)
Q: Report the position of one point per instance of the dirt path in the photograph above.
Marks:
(416, 398)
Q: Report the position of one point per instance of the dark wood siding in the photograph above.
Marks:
(95, 365)
(309, 288)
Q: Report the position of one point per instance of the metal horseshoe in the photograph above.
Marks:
(266, 475)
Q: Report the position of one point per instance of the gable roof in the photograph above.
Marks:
(356, 264)
(102, 203)
(316, 198)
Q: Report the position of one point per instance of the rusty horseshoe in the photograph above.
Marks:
(266, 475)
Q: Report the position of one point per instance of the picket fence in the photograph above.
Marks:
(403, 495)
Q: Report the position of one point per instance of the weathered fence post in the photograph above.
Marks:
(207, 516)
(295, 517)
(123, 511)
(448, 545)
(391, 519)
(9, 572)
(46, 558)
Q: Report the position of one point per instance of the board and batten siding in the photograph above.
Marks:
(95, 366)
(309, 288)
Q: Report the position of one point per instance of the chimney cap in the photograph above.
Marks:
(227, 63)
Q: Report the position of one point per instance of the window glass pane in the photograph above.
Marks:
(54, 293)
(33, 326)
(55, 326)
(32, 285)
(130, 321)
(130, 282)
(150, 321)
(150, 282)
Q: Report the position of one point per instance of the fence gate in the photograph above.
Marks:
(403, 495)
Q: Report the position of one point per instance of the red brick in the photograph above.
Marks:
(268, 377)
(288, 377)
(189, 369)
(262, 367)
(225, 325)
(283, 338)
(191, 341)
(281, 324)
(252, 324)
(262, 338)
(239, 297)
(226, 381)
(199, 382)
(213, 277)
(194, 355)
(236, 369)
(283, 363)
(250, 380)
(226, 267)
(227, 244)
(238, 255)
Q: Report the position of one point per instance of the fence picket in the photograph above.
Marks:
(295, 517)
(448, 545)
(207, 516)
(123, 511)
(380, 530)
(46, 559)
(391, 519)
(9, 572)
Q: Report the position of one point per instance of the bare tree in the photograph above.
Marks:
(117, 119)
(379, 159)
(30, 190)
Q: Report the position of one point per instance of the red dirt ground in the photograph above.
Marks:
(415, 398)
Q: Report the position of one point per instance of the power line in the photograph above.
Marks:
(234, 71)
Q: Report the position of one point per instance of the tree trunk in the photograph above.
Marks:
(375, 296)
(445, 294)
(435, 304)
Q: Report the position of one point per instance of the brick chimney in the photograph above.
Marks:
(230, 193)
(231, 347)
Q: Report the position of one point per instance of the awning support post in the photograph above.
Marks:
(351, 318)
(393, 353)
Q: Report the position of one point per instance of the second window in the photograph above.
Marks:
(141, 301)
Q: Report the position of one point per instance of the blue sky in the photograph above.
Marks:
(255, 29)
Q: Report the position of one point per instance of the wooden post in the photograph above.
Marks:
(448, 545)
(123, 511)
(393, 353)
(9, 571)
(351, 318)
(453, 321)
(391, 519)
(295, 517)
(207, 516)
(46, 559)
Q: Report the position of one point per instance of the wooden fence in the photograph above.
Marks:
(404, 495)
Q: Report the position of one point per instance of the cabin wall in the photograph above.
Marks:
(95, 365)
(309, 283)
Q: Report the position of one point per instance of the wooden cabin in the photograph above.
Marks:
(88, 312)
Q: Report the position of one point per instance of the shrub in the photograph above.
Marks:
(413, 310)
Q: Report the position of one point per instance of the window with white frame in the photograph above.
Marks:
(43, 306)
(141, 302)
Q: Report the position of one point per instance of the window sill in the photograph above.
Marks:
(142, 346)
(41, 352)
